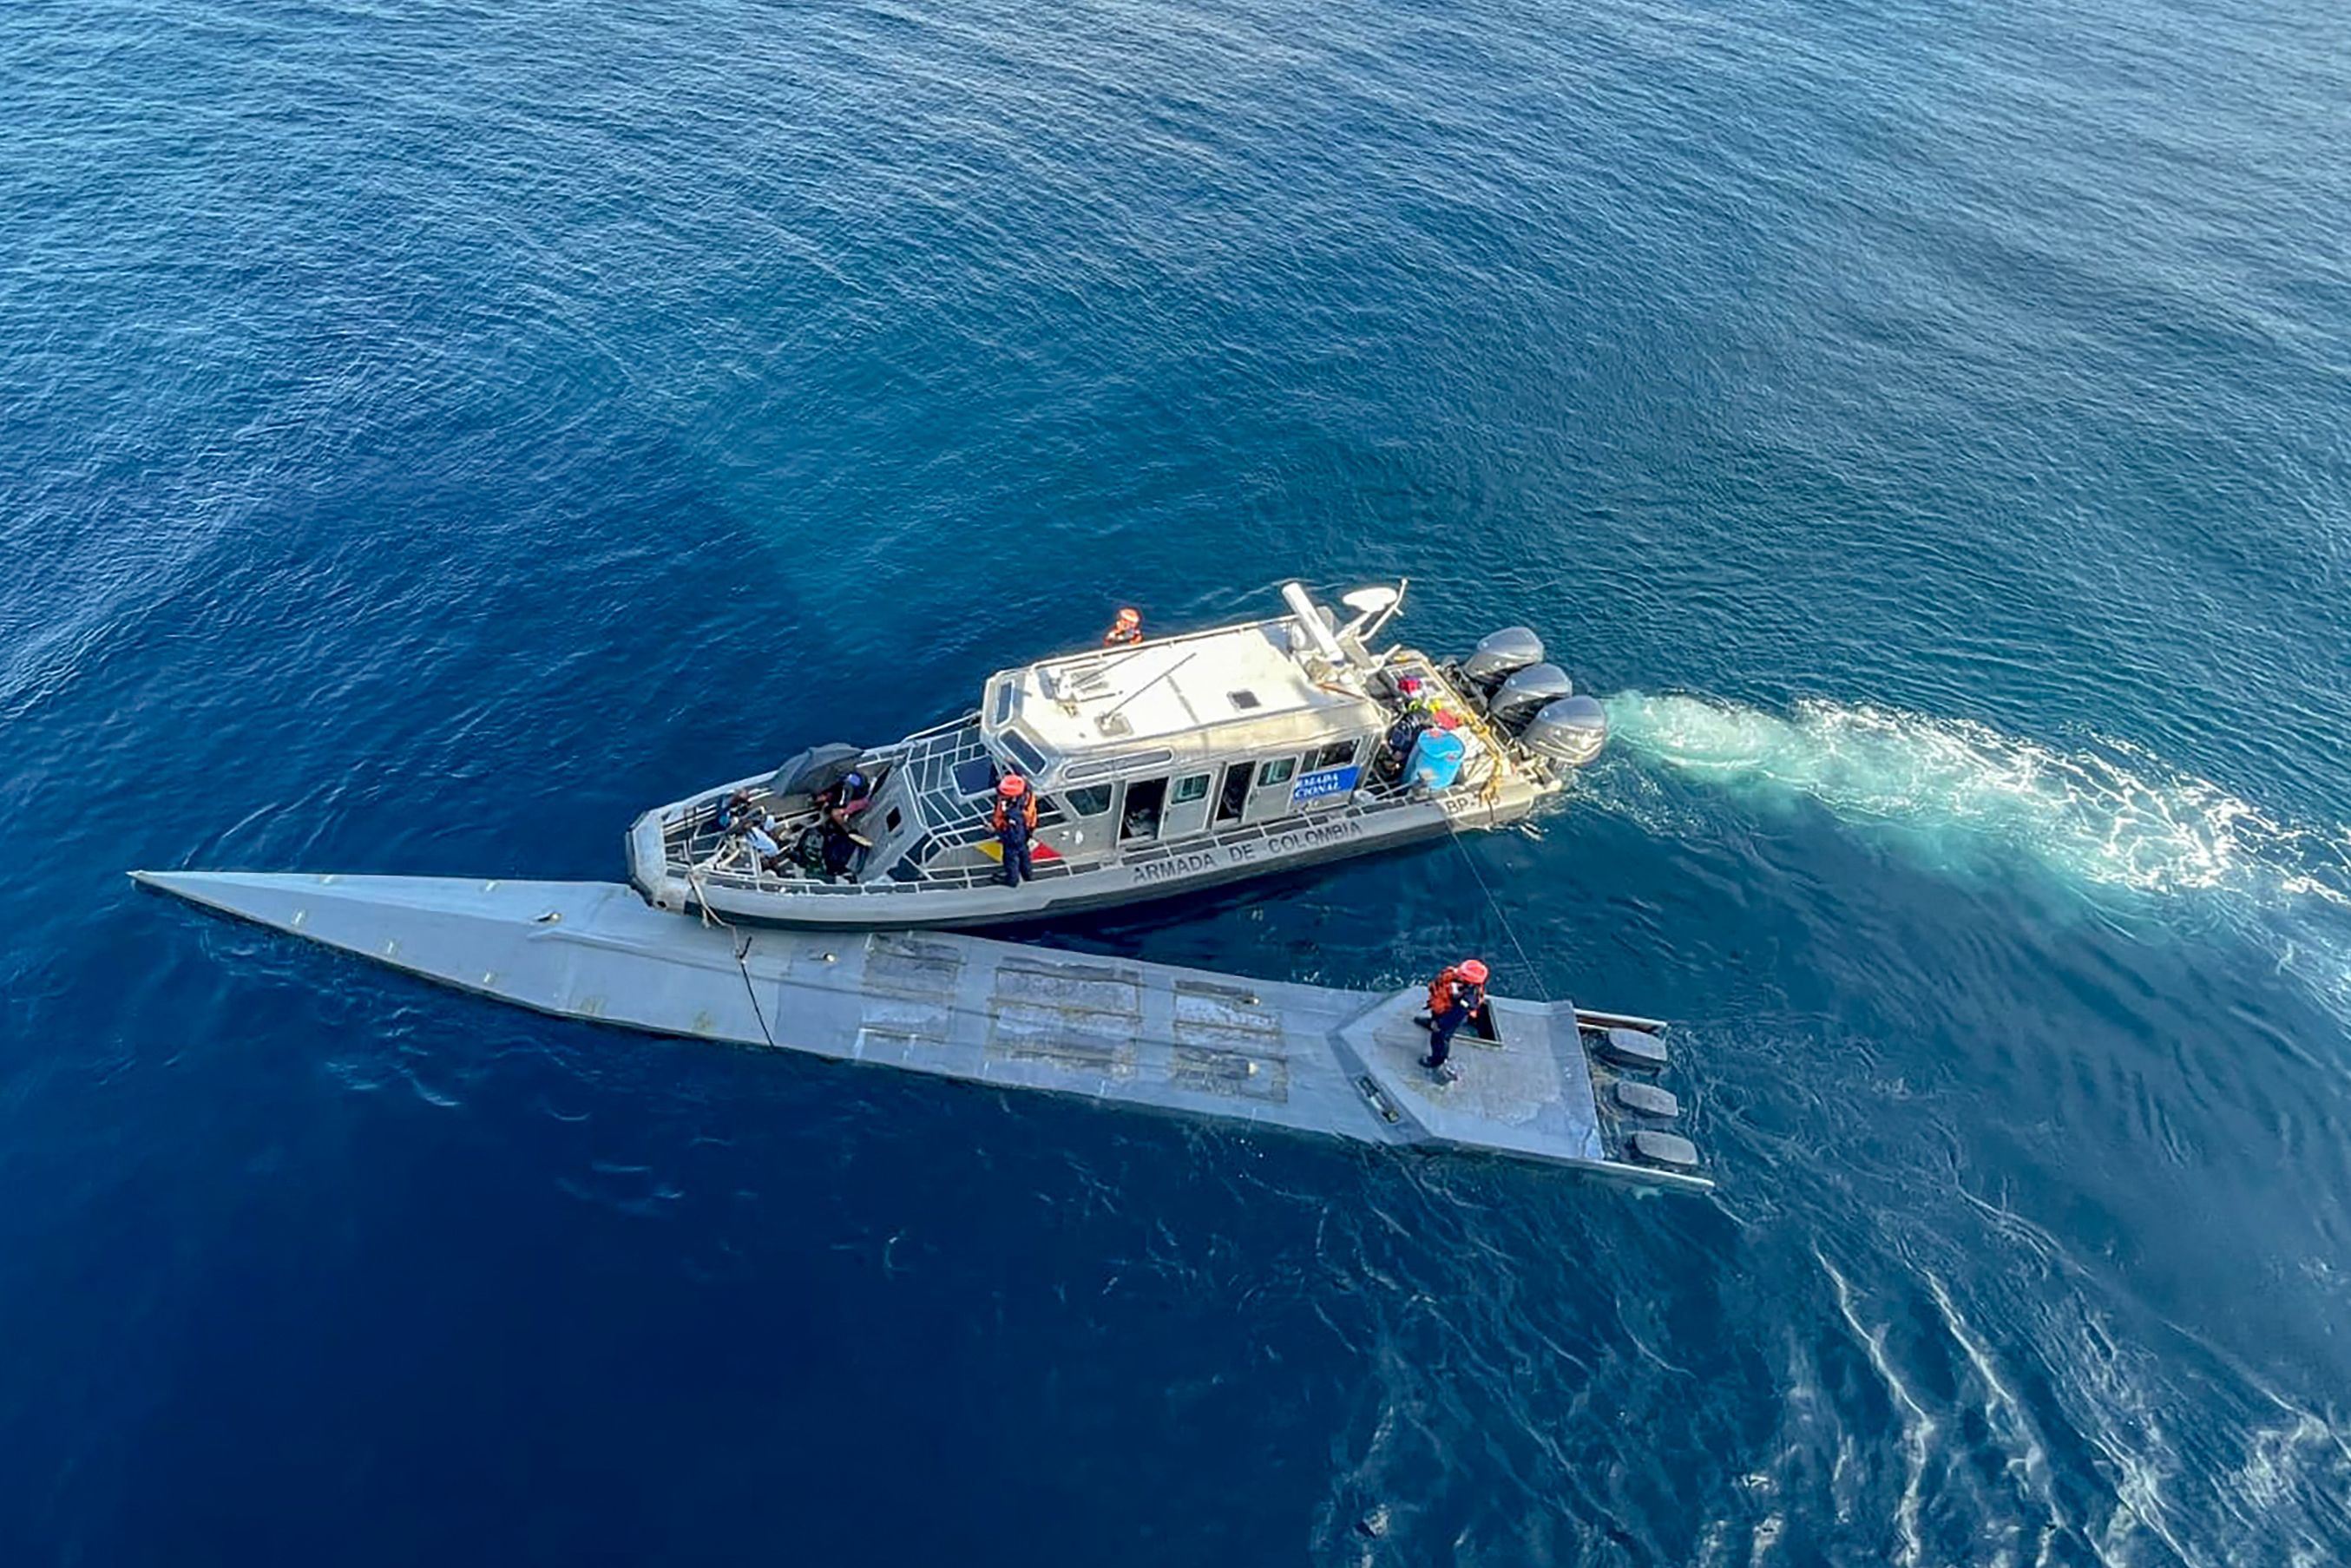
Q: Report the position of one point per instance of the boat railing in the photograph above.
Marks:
(682, 823)
(756, 879)
(1373, 800)
(936, 730)
(708, 856)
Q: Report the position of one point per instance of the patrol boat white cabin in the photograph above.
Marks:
(1160, 768)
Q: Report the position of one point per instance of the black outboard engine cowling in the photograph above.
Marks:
(1571, 730)
(1516, 699)
(1502, 654)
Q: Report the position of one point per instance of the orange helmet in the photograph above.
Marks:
(1130, 616)
(1474, 971)
(1013, 787)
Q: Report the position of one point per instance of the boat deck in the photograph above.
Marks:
(953, 775)
(1308, 1058)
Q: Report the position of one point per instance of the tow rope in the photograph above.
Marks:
(742, 948)
(1491, 793)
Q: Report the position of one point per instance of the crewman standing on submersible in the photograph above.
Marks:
(1015, 821)
(1125, 630)
(1455, 998)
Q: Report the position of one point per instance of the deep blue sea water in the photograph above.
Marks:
(430, 432)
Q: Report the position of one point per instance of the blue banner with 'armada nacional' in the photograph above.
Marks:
(1330, 781)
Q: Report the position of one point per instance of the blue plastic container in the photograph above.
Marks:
(1436, 760)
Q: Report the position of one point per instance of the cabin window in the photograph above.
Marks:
(1338, 754)
(1023, 753)
(889, 824)
(1003, 700)
(1189, 790)
(1145, 799)
(1279, 771)
(1090, 801)
(1243, 701)
(976, 776)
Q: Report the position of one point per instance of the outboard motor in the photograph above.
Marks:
(1500, 653)
(1516, 699)
(1571, 730)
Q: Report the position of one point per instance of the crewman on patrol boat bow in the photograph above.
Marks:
(1455, 998)
(1127, 628)
(1015, 821)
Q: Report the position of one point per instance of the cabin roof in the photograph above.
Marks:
(1238, 688)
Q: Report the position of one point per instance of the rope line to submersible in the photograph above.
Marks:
(742, 951)
(1526, 962)
(1453, 830)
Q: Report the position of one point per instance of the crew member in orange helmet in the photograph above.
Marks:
(1015, 821)
(1455, 998)
(1127, 628)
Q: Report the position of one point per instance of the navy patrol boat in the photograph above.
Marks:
(1159, 768)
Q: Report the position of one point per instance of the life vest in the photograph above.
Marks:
(1440, 990)
(1117, 636)
(1449, 990)
(1003, 819)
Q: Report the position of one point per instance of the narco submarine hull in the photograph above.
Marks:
(1549, 1083)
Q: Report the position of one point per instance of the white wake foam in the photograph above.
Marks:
(2105, 817)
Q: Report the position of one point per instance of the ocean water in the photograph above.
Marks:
(431, 432)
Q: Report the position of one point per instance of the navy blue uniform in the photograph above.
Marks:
(1397, 744)
(1452, 1002)
(1015, 822)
